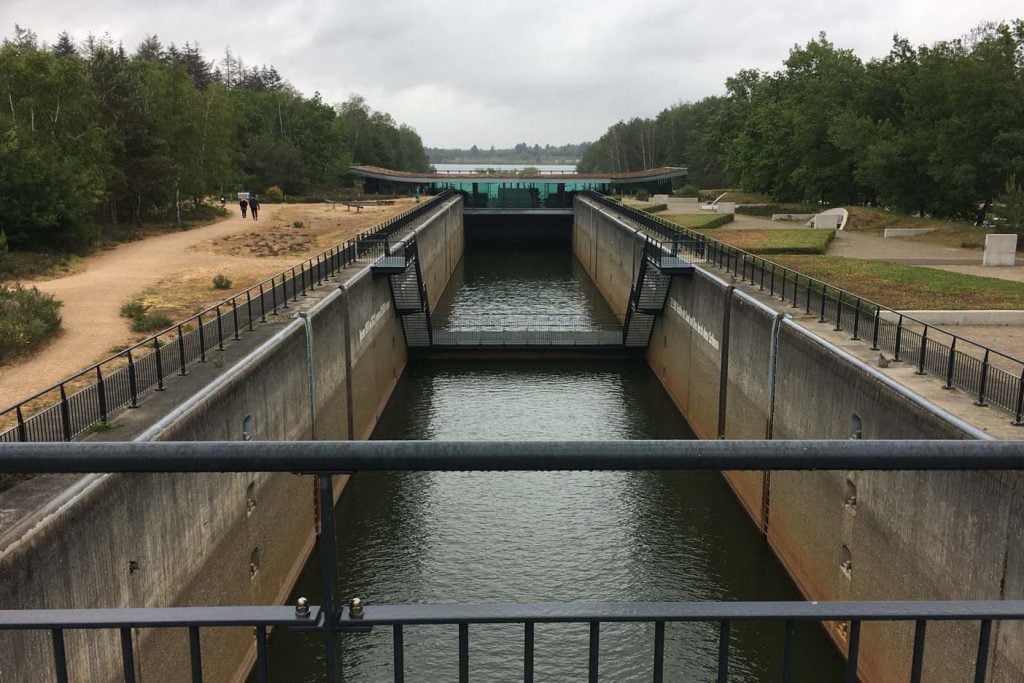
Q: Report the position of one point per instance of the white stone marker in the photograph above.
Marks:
(1000, 250)
(725, 207)
(828, 221)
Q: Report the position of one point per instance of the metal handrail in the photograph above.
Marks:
(149, 362)
(333, 619)
(982, 377)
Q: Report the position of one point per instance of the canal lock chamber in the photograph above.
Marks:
(537, 537)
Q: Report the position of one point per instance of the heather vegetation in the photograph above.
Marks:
(931, 130)
(96, 139)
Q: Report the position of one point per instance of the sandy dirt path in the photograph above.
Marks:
(92, 326)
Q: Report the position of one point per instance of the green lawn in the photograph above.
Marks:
(909, 287)
(699, 221)
(783, 241)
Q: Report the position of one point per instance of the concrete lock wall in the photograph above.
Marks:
(840, 535)
(160, 540)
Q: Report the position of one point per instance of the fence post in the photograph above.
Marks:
(319, 277)
(771, 291)
(839, 310)
(159, 365)
(874, 332)
(808, 309)
(923, 351)
(181, 352)
(65, 414)
(760, 285)
(856, 320)
(133, 384)
(796, 287)
(899, 339)
(1018, 420)
(950, 365)
(234, 316)
(101, 394)
(248, 307)
(22, 429)
(302, 276)
(983, 381)
(220, 329)
(202, 339)
(821, 316)
(273, 295)
(263, 305)
(782, 295)
(295, 290)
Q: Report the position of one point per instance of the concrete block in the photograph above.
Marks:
(725, 207)
(905, 232)
(1000, 250)
(829, 221)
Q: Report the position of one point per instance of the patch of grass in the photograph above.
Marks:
(902, 286)
(24, 265)
(653, 208)
(700, 221)
(945, 233)
(142, 319)
(783, 241)
(220, 281)
(28, 318)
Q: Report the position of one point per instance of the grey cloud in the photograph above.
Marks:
(502, 72)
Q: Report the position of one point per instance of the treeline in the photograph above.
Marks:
(93, 137)
(522, 153)
(936, 130)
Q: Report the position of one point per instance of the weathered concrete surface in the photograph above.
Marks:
(890, 233)
(1000, 250)
(158, 540)
(906, 535)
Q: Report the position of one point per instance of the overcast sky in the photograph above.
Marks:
(498, 73)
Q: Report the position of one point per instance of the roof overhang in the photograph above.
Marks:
(389, 175)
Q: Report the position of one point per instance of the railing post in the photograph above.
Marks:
(263, 305)
(159, 364)
(899, 339)
(821, 316)
(101, 394)
(65, 414)
(181, 352)
(329, 569)
(874, 332)
(202, 339)
(1018, 419)
(220, 329)
(234, 316)
(796, 287)
(923, 351)
(839, 310)
(760, 285)
(133, 386)
(983, 382)
(248, 308)
(808, 309)
(302, 276)
(295, 287)
(950, 365)
(319, 278)
(856, 320)
(22, 428)
(782, 295)
(273, 295)
(771, 291)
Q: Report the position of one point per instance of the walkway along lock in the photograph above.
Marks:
(333, 620)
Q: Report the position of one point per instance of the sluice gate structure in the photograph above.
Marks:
(911, 550)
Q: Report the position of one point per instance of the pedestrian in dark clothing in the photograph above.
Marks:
(244, 205)
(254, 206)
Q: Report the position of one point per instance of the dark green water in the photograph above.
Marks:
(524, 537)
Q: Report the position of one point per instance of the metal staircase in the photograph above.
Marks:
(408, 292)
(646, 298)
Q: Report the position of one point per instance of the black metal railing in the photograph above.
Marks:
(79, 402)
(337, 618)
(990, 376)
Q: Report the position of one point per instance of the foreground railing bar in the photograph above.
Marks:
(399, 653)
(528, 634)
(853, 652)
(60, 658)
(195, 654)
(327, 545)
(491, 456)
(127, 655)
(594, 650)
(464, 653)
(917, 663)
(787, 652)
(156, 617)
(659, 652)
(724, 635)
(585, 612)
(261, 654)
(984, 638)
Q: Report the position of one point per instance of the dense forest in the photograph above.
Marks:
(93, 137)
(936, 130)
(522, 153)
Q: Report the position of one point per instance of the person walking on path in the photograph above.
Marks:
(254, 206)
(243, 205)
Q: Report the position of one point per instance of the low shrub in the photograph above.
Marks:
(653, 208)
(19, 265)
(221, 282)
(141, 318)
(28, 317)
(643, 195)
(273, 194)
(686, 191)
(298, 224)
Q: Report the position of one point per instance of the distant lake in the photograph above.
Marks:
(441, 168)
